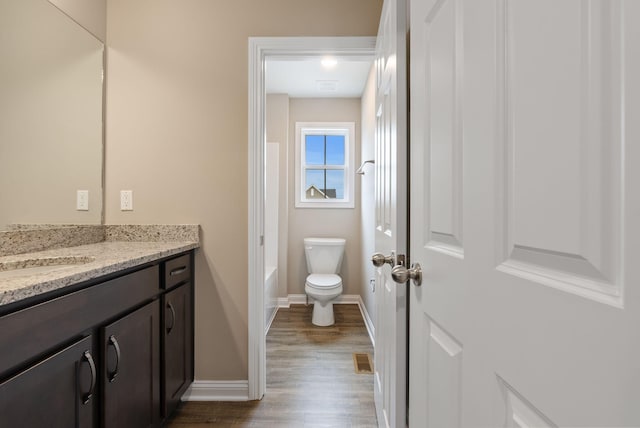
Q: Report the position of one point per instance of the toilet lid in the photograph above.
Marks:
(324, 280)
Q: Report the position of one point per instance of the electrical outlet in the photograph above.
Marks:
(126, 200)
(372, 285)
(82, 200)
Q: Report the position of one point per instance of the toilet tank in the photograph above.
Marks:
(324, 255)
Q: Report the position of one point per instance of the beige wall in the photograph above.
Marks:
(91, 14)
(367, 192)
(323, 222)
(177, 135)
(277, 124)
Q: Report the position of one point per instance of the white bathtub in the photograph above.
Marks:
(270, 295)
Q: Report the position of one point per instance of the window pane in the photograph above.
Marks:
(314, 184)
(335, 149)
(314, 149)
(324, 184)
(335, 183)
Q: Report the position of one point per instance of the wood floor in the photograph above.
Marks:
(311, 381)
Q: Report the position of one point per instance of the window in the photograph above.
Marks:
(324, 165)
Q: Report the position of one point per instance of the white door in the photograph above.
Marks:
(525, 213)
(391, 209)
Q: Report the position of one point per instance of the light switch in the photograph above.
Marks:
(126, 200)
(82, 200)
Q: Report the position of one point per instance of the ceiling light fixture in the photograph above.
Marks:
(329, 62)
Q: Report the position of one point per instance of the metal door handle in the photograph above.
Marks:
(379, 260)
(401, 274)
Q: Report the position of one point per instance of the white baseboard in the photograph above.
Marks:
(283, 302)
(213, 390)
(371, 329)
(297, 299)
(352, 299)
(273, 316)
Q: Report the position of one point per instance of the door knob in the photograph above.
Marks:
(379, 260)
(401, 274)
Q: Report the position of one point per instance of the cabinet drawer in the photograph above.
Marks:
(34, 331)
(177, 271)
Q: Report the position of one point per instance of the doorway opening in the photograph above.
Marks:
(261, 51)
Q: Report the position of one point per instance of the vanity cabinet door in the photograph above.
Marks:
(56, 392)
(131, 369)
(178, 345)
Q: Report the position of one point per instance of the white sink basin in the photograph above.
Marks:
(25, 267)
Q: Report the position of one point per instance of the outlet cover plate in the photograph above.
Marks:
(82, 200)
(126, 200)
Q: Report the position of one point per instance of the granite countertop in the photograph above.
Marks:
(103, 258)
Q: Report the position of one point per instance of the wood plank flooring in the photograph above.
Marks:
(311, 381)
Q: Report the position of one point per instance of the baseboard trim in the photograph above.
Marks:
(350, 299)
(297, 299)
(371, 329)
(213, 390)
(283, 302)
(266, 330)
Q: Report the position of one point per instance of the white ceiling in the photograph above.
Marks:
(308, 78)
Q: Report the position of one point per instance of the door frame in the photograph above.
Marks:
(259, 49)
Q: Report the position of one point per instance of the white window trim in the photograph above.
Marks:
(349, 182)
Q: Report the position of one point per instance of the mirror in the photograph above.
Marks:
(51, 137)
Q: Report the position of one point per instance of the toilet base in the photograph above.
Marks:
(322, 314)
(323, 298)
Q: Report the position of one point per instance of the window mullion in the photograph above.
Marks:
(325, 162)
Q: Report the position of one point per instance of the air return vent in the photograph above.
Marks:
(327, 85)
(362, 363)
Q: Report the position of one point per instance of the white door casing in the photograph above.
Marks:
(525, 213)
(391, 209)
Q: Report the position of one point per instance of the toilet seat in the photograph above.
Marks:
(324, 281)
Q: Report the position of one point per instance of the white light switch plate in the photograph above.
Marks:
(82, 200)
(126, 200)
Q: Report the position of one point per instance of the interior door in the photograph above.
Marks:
(525, 213)
(391, 209)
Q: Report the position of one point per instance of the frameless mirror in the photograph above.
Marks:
(51, 138)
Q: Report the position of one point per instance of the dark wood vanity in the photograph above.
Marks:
(116, 351)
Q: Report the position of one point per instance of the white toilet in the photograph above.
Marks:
(323, 285)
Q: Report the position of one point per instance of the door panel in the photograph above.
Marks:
(178, 346)
(445, 139)
(131, 369)
(559, 108)
(391, 210)
(521, 118)
(57, 392)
